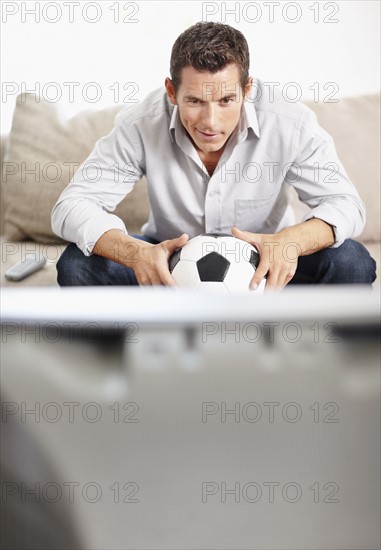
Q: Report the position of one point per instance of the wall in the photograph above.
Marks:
(91, 54)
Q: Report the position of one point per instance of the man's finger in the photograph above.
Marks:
(172, 244)
(254, 239)
(244, 235)
(275, 281)
(166, 278)
(287, 277)
(270, 285)
(260, 272)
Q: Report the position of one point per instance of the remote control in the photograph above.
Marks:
(30, 264)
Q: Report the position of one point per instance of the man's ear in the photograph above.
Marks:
(170, 91)
(248, 86)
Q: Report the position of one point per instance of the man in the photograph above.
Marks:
(218, 157)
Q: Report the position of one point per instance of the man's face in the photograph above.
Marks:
(209, 105)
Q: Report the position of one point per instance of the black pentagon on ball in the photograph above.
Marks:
(212, 268)
(174, 259)
(254, 259)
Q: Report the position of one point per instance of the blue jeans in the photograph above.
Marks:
(350, 263)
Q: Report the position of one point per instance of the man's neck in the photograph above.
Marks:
(210, 160)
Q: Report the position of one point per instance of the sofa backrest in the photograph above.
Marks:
(3, 144)
(44, 150)
(354, 124)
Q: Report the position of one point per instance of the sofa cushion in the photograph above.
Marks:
(13, 252)
(44, 150)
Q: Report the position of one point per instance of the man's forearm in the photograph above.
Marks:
(119, 247)
(310, 236)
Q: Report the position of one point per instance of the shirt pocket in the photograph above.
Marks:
(251, 214)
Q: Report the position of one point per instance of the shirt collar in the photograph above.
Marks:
(251, 116)
(175, 123)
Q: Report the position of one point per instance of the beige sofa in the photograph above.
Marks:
(44, 148)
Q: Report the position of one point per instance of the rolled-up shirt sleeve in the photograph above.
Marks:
(82, 213)
(323, 184)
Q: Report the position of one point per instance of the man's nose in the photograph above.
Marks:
(210, 116)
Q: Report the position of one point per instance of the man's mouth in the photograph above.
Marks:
(207, 135)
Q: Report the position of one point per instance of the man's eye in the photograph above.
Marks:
(194, 101)
(227, 100)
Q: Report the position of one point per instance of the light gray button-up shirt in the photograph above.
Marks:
(276, 144)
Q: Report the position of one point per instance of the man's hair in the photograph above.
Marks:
(209, 47)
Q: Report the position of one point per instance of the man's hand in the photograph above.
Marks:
(277, 258)
(149, 261)
(279, 252)
(151, 266)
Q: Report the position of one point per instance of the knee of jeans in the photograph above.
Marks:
(363, 264)
(67, 266)
(355, 263)
(365, 273)
(371, 267)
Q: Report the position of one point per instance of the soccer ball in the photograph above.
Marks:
(219, 263)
